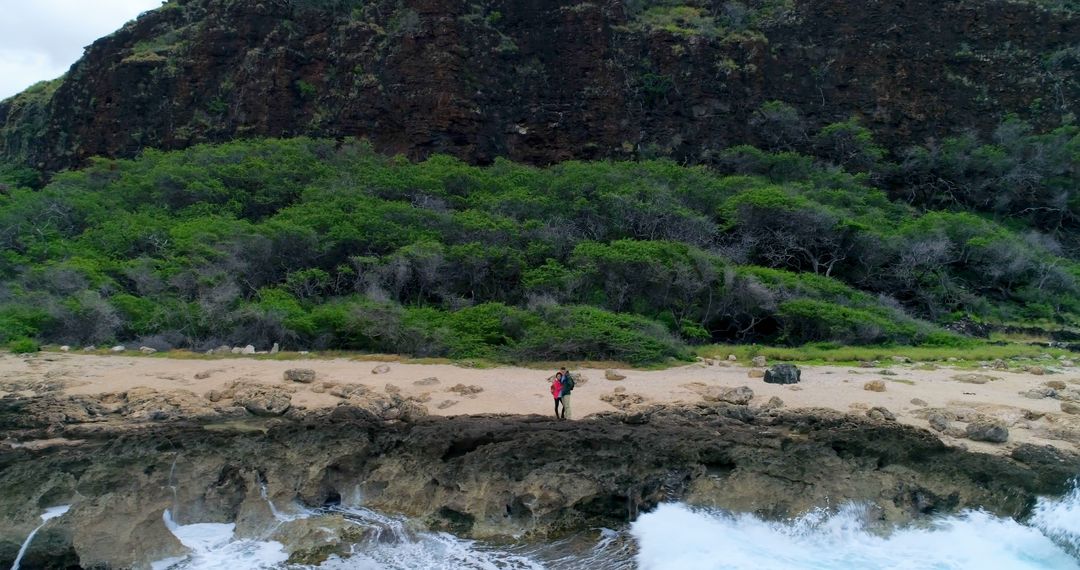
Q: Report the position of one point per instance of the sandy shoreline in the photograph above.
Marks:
(518, 390)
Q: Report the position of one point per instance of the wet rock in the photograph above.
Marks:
(987, 429)
(755, 373)
(880, 414)
(759, 361)
(974, 378)
(738, 396)
(431, 381)
(783, 374)
(301, 375)
(263, 400)
(874, 386)
(508, 474)
(613, 376)
(919, 402)
(380, 369)
(1070, 408)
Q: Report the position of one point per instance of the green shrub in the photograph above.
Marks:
(19, 322)
(808, 320)
(24, 346)
(574, 333)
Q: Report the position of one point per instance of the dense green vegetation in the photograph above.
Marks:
(324, 244)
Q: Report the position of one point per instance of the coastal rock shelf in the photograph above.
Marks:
(478, 476)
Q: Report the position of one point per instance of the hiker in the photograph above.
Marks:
(556, 391)
(567, 387)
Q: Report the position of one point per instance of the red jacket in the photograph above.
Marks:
(556, 388)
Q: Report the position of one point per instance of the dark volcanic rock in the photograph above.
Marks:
(494, 475)
(783, 374)
(543, 81)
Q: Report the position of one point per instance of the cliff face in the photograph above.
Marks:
(547, 80)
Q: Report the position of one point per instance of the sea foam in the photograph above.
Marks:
(676, 536)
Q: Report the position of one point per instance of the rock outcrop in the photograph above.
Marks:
(483, 476)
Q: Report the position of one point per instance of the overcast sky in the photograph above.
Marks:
(40, 39)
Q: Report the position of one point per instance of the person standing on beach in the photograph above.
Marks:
(556, 391)
(567, 387)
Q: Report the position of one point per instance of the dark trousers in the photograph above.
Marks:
(558, 402)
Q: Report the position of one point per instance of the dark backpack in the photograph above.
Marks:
(567, 383)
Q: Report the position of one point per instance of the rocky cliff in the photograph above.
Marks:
(479, 476)
(547, 80)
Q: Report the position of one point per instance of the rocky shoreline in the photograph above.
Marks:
(483, 476)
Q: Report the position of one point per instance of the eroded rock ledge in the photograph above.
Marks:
(482, 476)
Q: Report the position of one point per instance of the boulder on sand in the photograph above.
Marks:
(783, 374)
(739, 396)
(263, 401)
(759, 361)
(613, 376)
(874, 386)
(939, 422)
(301, 375)
(987, 429)
(380, 369)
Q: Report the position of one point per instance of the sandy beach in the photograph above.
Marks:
(910, 391)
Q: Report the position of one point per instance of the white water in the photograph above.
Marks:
(213, 547)
(47, 516)
(394, 546)
(677, 537)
